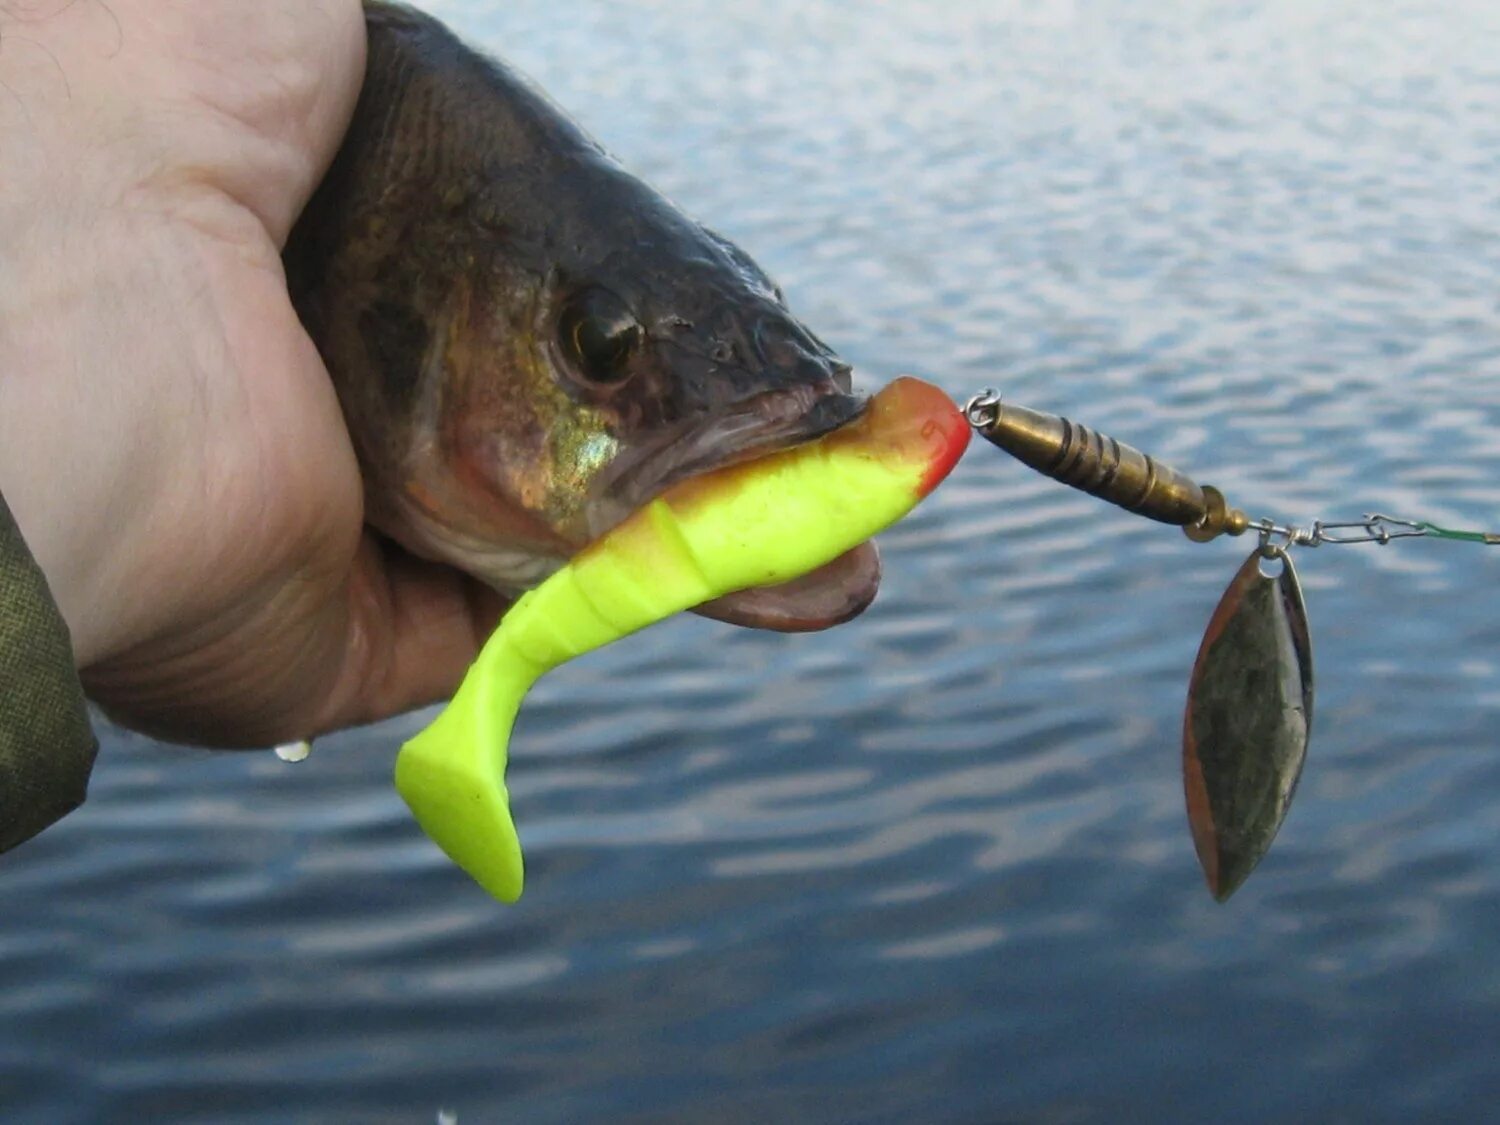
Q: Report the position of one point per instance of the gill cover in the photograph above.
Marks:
(762, 522)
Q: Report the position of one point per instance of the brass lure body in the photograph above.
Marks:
(1100, 465)
(1248, 717)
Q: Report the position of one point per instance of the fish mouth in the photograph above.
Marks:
(762, 425)
(834, 593)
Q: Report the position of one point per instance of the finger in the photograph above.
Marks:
(413, 628)
(307, 657)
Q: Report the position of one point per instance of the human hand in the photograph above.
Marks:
(170, 443)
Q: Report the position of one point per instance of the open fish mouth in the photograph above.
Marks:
(762, 425)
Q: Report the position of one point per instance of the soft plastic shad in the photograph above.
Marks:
(756, 524)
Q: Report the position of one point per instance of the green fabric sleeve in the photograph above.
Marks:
(47, 747)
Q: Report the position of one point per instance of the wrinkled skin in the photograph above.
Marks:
(529, 343)
(170, 443)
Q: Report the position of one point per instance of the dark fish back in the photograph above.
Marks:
(416, 191)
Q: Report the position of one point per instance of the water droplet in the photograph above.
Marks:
(294, 751)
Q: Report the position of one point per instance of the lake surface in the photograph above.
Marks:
(932, 866)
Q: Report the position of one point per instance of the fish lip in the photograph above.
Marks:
(756, 427)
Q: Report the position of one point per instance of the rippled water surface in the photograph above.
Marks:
(932, 866)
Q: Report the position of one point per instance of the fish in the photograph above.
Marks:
(529, 343)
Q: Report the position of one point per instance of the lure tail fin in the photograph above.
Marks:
(452, 775)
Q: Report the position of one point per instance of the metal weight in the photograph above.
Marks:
(1094, 462)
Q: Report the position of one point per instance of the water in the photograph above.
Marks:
(932, 866)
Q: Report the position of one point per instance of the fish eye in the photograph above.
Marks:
(599, 334)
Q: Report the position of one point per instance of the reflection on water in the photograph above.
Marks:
(931, 866)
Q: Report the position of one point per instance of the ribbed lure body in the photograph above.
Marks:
(755, 524)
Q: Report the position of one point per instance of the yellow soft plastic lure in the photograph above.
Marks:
(756, 524)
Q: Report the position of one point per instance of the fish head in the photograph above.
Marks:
(528, 342)
(593, 359)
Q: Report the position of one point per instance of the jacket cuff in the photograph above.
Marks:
(47, 747)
